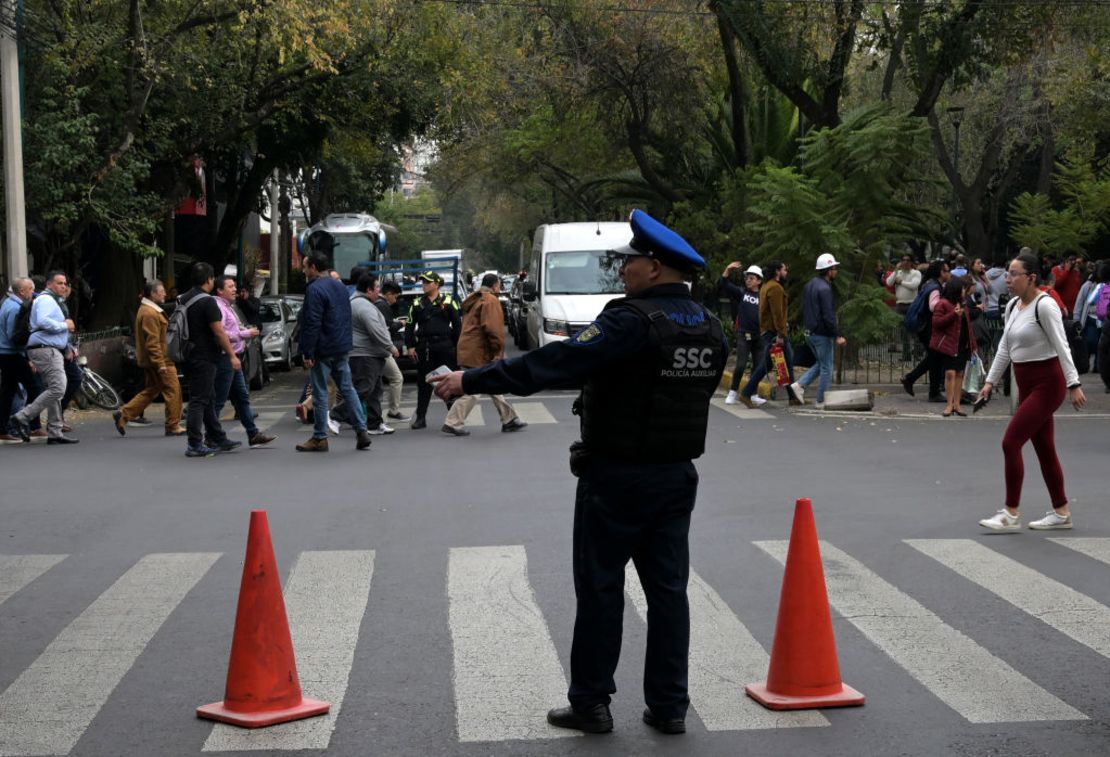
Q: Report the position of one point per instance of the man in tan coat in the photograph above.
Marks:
(150, 353)
(481, 341)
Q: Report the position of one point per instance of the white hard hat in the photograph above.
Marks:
(826, 261)
(754, 270)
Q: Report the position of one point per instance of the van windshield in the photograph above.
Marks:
(582, 272)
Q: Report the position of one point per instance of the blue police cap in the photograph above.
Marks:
(652, 239)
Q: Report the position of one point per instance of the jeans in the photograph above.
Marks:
(822, 347)
(765, 365)
(232, 385)
(14, 372)
(201, 420)
(339, 369)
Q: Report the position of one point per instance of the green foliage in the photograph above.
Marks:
(865, 316)
(1081, 216)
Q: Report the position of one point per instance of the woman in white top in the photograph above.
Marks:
(1034, 343)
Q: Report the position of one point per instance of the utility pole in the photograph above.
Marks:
(275, 234)
(13, 143)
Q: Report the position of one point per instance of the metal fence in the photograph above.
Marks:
(893, 357)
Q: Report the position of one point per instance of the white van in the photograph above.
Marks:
(571, 278)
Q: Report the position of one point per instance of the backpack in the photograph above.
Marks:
(917, 318)
(1103, 303)
(21, 329)
(178, 345)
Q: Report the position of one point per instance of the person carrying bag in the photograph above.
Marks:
(1035, 343)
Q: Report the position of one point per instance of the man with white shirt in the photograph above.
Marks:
(46, 347)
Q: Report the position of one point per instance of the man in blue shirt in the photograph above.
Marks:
(46, 347)
(15, 370)
(822, 331)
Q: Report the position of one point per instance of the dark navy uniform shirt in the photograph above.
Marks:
(616, 334)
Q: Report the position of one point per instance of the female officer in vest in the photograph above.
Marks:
(647, 366)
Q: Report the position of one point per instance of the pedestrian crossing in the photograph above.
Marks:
(505, 667)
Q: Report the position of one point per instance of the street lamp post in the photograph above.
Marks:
(956, 117)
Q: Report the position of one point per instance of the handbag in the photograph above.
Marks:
(778, 360)
(974, 375)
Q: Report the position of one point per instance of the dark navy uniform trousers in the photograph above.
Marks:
(638, 512)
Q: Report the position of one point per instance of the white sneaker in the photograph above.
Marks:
(333, 426)
(757, 400)
(799, 392)
(381, 430)
(1052, 520)
(818, 405)
(1002, 521)
(731, 398)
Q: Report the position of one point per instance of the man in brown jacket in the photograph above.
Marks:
(775, 331)
(150, 353)
(481, 341)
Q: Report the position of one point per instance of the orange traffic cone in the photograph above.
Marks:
(262, 684)
(804, 672)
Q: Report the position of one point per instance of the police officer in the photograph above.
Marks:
(647, 366)
(430, 336)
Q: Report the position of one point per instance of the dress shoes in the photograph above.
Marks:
(454, 431)
(516, 424)
(669, 726)
(121, 427)
(418, 422)
(596, 719)
(364, 440)
(62, 440)
(179, 431)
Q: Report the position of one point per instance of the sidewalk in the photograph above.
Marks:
(892, 400)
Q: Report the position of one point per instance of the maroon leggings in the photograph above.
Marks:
(1040, 390)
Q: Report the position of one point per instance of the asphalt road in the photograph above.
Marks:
(432, 601)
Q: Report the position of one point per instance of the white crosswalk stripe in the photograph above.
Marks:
(53, 701)
(507, 672)
(16, 571)
(949, 664)
(325, 600)
(533, 413)
(264, 422)
(1096, 548)
(740, 411)
(1065, 609)
(724, 656)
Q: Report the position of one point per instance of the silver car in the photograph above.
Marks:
(279, 317)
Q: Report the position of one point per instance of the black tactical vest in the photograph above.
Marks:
(653, 407)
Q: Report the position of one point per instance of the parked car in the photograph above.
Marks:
(278, 321)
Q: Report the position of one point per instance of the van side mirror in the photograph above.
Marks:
(529, 291)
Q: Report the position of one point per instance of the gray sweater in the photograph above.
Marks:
(371, 334)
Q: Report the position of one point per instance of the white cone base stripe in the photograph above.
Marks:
(325, 600)
(50, 705)
(961, 673)
(1098, 549)
(16, 571)
(507, 672)
(724, 657)
(1065, 609)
